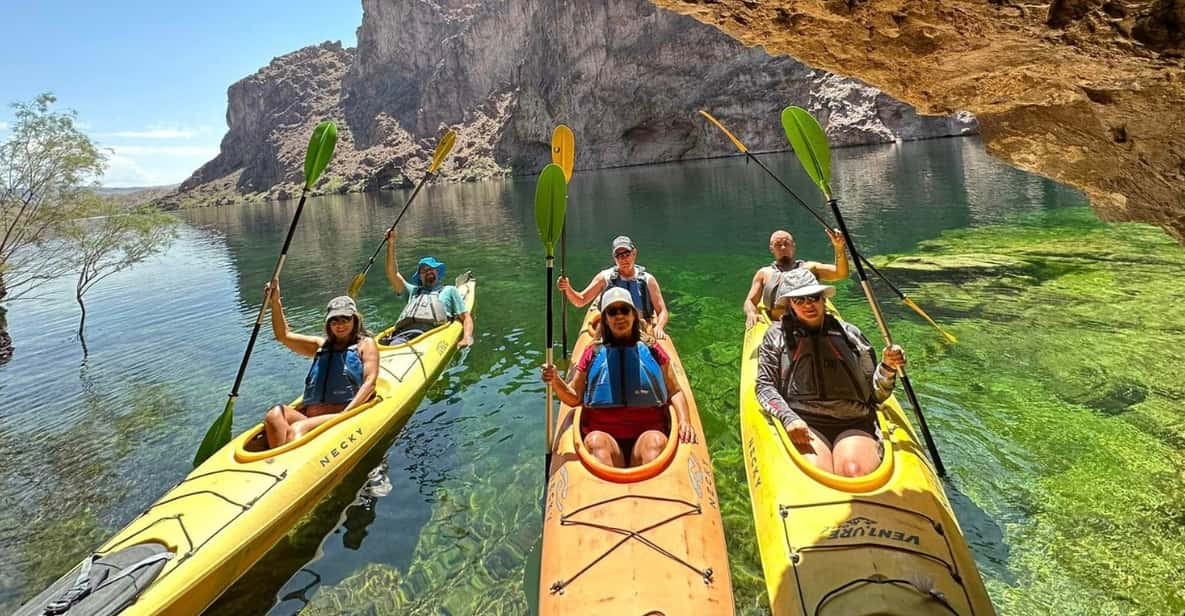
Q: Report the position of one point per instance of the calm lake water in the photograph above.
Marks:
(1057, 414)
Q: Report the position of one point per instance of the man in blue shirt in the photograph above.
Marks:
(430, 302)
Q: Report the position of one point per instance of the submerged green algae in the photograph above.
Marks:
(1058, 414)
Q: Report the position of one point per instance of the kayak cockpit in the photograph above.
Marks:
(252, 446)
(864, 483)
(632, 473)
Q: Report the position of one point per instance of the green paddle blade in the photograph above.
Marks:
(320, 151)
(810, 144)
(563, 149)
(218, 434)
(551, 197)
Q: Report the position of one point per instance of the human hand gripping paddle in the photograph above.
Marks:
(443, 147)
(551, 196)
(810, 144)
(320, 152)
(855, 255)
(563, 153)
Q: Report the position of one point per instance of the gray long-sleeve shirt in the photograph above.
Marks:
(773, 375)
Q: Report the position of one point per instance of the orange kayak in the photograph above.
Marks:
(641, 540)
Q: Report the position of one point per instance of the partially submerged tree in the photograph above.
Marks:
(109, 239)
(47, 166)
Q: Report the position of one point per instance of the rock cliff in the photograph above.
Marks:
(1087, 92)
(626, 76)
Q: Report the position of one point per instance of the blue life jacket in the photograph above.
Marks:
(638, 288)
(625, 377)
(335, 376)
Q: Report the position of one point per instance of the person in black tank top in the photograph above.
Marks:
(782, 247)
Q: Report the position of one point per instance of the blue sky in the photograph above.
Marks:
(148, 78)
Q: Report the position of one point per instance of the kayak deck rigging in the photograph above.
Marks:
(692, 509)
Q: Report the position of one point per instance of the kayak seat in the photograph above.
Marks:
(632, 473)
(252, 446)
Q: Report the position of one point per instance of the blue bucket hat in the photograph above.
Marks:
(432, 263)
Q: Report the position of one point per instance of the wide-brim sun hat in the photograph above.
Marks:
(801, 283)
(432, 263)
(341, 306)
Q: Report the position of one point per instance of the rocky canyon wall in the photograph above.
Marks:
(1087, 92)
(627, 76)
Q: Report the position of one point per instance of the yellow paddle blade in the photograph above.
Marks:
(909, 302)
(563, 150)
(737, 142)
(356, 285)
(442, 149)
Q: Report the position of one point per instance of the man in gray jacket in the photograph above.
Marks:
(818, 375)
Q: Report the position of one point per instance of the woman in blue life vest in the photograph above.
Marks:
(345, 367)
(624, 382)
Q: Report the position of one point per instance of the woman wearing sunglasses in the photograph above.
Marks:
(818, 375)
(624, 383)
(345, 367)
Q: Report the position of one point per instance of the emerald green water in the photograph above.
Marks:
(1058, 413)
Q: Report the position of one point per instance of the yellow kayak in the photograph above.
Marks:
(641, 540)
(884, 543)
(189, 546)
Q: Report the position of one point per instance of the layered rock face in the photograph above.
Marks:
(1087, 92)
(626, 76)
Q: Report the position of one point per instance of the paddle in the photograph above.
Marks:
(551, 195)
(443, 147)
(563, 153)
(855, 255)
(810, 144)
(320, 151)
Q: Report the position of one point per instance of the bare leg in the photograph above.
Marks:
(648, 447)
(277, 422)
(604, 448)
(818, 452)
(304, 426)
(856, 453)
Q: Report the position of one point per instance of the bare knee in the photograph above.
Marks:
(649, 446)
(275, 415)
(602, 447)
(852, 468)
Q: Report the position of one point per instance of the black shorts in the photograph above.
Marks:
(830, 427)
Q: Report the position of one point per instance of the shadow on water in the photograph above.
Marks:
(348, 509)
(983, 534)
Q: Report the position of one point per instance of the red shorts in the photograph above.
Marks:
(625, 423)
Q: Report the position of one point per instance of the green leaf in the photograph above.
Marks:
(320, 151)
(810, 145)
(217, 436)
(551, 198)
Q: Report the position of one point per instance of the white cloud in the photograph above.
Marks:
(188, 151)
(123, 172)
(3, 125)
(154, 133)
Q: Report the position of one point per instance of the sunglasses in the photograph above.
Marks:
(336, 320)
(615, 311)
(621, 254)
(798, 301)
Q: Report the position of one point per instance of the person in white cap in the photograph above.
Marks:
(766, 280)
(626, 274)
(345, 368)
(624, 383)
(818, 375)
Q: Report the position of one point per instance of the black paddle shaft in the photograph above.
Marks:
(234, 392)
(913, 398)
(398, 218)
(564, 305)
